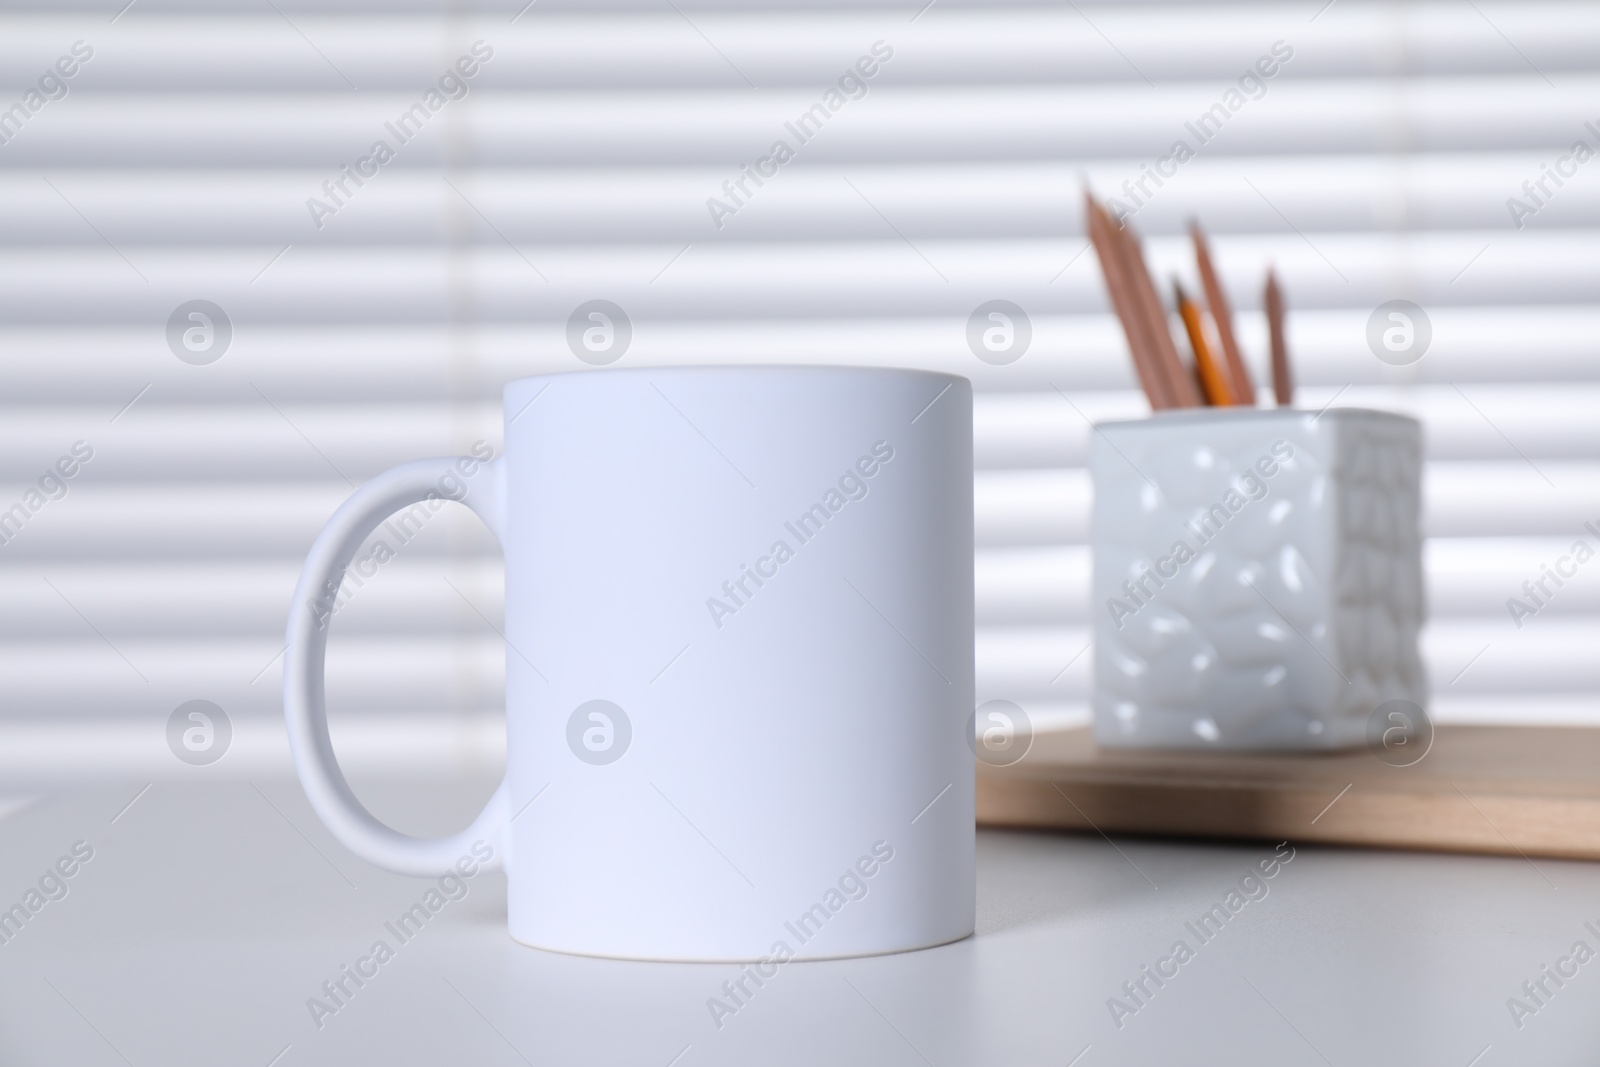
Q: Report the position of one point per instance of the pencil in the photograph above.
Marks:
(1213, 379)
(1102, 234)
(1282, 381)
(1180, 384)
(1222, 316)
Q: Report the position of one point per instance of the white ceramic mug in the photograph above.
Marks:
(739, 618)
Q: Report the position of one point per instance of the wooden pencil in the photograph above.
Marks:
(1180, 384)
(1282, 381)
(1222, 317)
(1213, 378)
(1102, 234)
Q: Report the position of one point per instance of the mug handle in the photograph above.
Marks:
(305, 655)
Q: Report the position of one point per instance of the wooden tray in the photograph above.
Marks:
(1513, 790)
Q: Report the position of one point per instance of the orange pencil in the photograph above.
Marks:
(1222, 316)
(1213, 378)
(1282, 382)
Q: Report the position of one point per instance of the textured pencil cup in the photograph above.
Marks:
(739, 662)
(1257, 577)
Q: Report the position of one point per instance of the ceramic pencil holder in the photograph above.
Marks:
(1257, 577)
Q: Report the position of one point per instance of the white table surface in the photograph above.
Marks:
(210, 913)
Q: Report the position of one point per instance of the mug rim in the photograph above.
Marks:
(740, 369)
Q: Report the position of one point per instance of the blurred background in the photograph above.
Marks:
(202, 153)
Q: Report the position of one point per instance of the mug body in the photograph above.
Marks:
(739, 618)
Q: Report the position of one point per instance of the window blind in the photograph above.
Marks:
(601, 151)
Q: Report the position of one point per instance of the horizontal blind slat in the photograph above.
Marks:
(226, 208)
